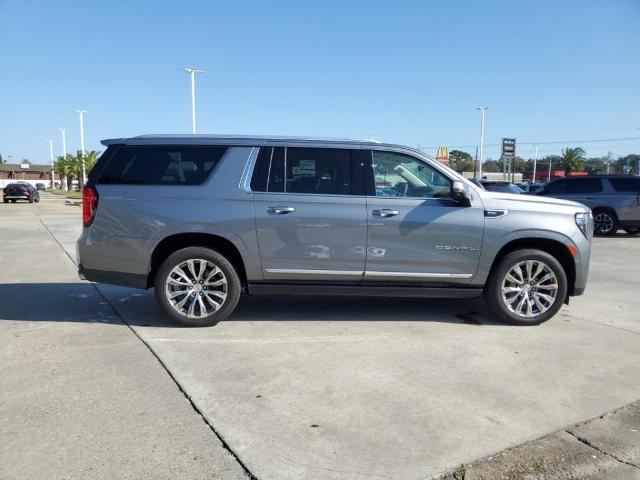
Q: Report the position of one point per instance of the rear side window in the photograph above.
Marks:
(161, 165)
(584, 185)
(325, 171)
(626, 184)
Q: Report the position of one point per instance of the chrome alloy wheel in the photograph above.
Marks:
(196, 288)
(529, 288)
(603, 223)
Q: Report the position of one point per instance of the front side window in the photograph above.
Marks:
(161, 165)
(584, 185)
(325, 171)
(399, 175)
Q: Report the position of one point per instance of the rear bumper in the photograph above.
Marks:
(16, 197)
(113, 278)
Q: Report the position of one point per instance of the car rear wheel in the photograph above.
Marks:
(604, 222)
(527, 287)
(197, 287)
(30, 198)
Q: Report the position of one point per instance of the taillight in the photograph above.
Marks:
(89, 204)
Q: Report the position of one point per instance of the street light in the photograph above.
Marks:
(53, 175)
(192, 71)
(82, 150)
(535, 161)
(64, 141)
(482, 110)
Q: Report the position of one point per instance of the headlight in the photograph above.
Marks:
(584, 221)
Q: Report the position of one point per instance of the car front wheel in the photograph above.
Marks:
(527, 287)
(604, 223)
(197, 287)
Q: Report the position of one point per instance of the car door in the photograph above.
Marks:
(310, 213)
(416, 232)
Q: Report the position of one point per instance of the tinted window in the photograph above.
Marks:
(584, 185)
(162, 165)
(556, 187)
(261, 170)
(308, 170)
(398, 175)
(626, 184)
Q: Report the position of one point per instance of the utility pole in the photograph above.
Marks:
(482, 110)
(82, 150)
(608, 161)
(535, 161)
(550, 160)
(192, 71)
(53, 176)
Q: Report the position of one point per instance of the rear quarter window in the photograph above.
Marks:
(160, 165)
(626, 184)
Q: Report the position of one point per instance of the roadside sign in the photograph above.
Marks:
(443, 155)
(508, 148)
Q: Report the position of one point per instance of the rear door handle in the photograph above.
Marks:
(280, 210)
(385, 212)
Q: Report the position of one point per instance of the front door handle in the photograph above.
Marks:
(280, 210)
(385, 212)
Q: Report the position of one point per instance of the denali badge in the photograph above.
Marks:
(457, 247)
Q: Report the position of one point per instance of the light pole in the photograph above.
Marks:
(550, 160)
(192, 71)
(535, 161)
(64, 141)
(82, 150)
(482, 110)
(53, 175)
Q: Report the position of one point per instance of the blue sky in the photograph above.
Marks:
(410, 72)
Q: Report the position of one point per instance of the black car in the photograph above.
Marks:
(498, 186)
(40, 186)
(20, 191)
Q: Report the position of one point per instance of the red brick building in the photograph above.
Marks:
(27, 171)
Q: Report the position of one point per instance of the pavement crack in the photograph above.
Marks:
(224, 444)
(591, 445)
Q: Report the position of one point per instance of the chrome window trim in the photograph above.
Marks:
(245, 180)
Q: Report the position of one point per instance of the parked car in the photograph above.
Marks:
(203, 219)
(498, 186)
(40, 186)
(532, 188)
(20, 191)
(614, 200)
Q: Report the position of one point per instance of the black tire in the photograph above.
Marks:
(5, 200)
(632, 230)
(605, 222)
(38, 199)
(233, 287)
(493, 288)
(30, 198)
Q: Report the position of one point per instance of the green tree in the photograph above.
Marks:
(461, 161)
(573, 160)
(64, 166)
(629, 164)
(491, 166)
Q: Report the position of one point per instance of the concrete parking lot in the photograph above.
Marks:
(97, 384)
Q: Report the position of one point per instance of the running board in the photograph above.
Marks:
(362, 290)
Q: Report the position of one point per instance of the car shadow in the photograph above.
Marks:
(97, 303)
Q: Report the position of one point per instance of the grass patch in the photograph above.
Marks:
(74, 195)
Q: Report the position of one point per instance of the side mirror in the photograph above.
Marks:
(459, 194)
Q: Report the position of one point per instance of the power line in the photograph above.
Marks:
(554, 142)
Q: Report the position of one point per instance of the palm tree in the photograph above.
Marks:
(573, 159)
(64, 168)
(90, 159)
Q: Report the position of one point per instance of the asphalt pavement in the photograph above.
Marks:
(97, 383)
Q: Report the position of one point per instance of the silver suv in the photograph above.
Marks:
(206, 218)
(614, 200)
